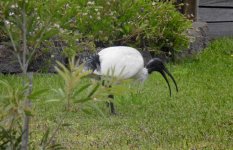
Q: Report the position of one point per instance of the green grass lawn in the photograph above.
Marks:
(199, 116)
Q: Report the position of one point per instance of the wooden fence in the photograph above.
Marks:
(217, 13)
(219, 16)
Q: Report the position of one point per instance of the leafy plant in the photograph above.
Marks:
(28, 24)
(13, 110)
(156, 26)
(10, 138)
(152, 25)
(12, 105)
(72, 77)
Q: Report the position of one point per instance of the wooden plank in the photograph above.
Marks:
(220, 29)
(189, 8)
(220, 3)
(215, 14)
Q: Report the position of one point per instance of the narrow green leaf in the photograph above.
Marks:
(82, 100)
(56, 147)
(59, 92)
(84, 87)
(5, 83)
(28, 112)
(50, 33)
(63, 67)
(97, 109)
(94, 90)
(37, 93)
(62, 74)
(87, 111)
(18, 141)
(53, 100)
(44, 139)
(66, 124)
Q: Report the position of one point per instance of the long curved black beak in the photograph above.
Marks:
(163, 72)
(156, 64)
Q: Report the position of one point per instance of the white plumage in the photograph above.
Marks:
(122, 62)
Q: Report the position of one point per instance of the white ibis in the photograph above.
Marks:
(127, 63)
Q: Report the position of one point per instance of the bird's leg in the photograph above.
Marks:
(111, 105)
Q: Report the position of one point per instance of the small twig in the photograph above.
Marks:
(35, 48)
(24, 36)
(14, 46)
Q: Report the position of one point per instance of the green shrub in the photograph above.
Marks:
(153, 25)
(142, 24)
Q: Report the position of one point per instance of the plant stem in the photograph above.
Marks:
(14, 46)
(24, 36)
(27, 102)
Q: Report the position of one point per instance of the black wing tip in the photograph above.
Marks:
(92, 62)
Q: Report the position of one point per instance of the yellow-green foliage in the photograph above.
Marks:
(72, 77)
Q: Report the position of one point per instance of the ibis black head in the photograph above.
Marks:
(156, 64)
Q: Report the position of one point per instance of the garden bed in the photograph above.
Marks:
(46, 61)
